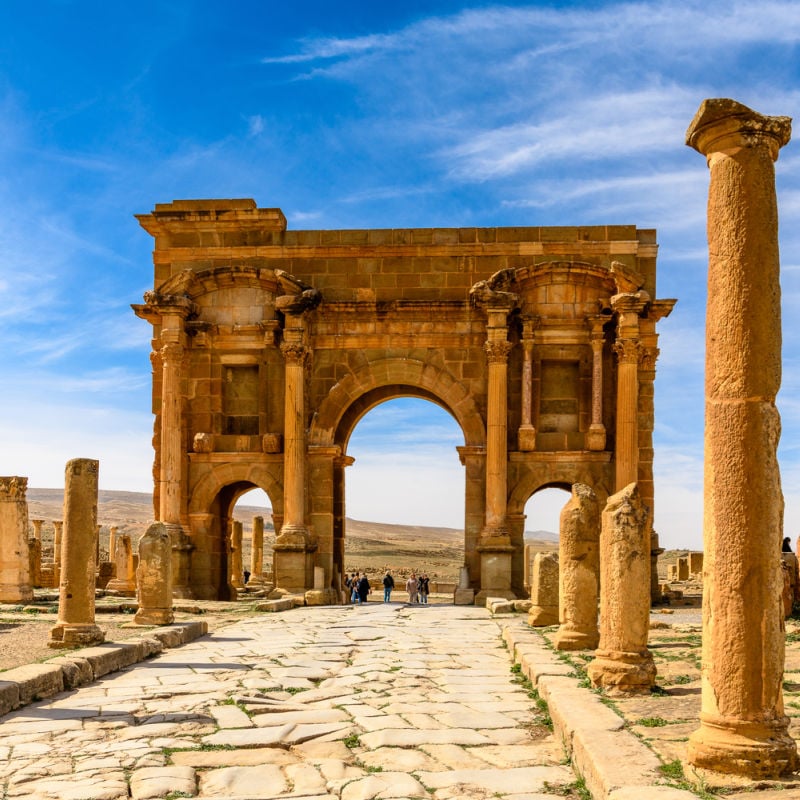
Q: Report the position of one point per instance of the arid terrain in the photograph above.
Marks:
(370, 546)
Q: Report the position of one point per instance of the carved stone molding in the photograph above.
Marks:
(296, 354)
(13, 487)
(497, 352)
(628, 351)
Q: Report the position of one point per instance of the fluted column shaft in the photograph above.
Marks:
(628, 350)
(294, 476)
(171, 440)
(596, 437)
(497, 351)
(743, 728)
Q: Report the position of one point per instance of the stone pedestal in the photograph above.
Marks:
(75, 626)
(495, 571)
(464, 594)
(579, 571)
(743, 728)
(622, 663)
(15, 567)
(154, 577)
(544, 591)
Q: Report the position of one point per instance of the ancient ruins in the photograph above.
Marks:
(743, 727)
(269, 345)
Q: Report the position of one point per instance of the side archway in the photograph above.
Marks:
(211, 506)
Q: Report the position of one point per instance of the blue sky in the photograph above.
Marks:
(356, 114)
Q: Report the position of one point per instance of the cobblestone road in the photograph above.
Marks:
(347, 703)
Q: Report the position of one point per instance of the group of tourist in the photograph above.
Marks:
(357, 584)
(418, 588)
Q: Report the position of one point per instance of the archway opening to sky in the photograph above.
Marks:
(542, 513)
(251, 504)
(405, 496)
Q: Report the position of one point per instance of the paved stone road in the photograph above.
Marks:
(348, 703)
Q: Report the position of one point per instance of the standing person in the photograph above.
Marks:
(388, 585)
(363, 588)
(787, 545)
(354, 588)
(422, 588)
(411, 588)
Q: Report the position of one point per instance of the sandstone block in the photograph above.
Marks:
(36, 680)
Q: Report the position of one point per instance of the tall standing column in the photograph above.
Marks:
(171, 440)
(743, 728)
(75, 626)
(596, 435)
(495, 542)
(15, 579)
(628, 349)
(293, 569)
(58, 533)
(526, 436)
(257, 554)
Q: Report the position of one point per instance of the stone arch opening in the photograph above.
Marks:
(211, 514)
(253, 511)
(407, 483)
(542, 512)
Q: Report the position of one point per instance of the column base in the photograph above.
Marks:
(323, 597)
(572, 639)
(755, 750)
(596, 437)
(154, 616)
(526, 438)
(541, 616)
(623, 673)
(65, 635)
(464, 597)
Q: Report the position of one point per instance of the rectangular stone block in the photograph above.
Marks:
(35, 681)
(110, 657)
(9, 696)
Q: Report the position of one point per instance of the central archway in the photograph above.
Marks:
(405, 495)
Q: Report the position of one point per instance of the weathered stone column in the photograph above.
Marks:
(622, 663)
(257, 554)
(495, 541)
(236, 563)
(75, 626)
(125, 580)
(112, 542)
(58, 533)
(596, 435)
(743, 728)
(15, 580)
(293, 563)
(628, 349)
(154, 577)
(579, 571)
(35, 553)
(544, 590)
(526, 436)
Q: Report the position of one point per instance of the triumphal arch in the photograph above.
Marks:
(270, 344)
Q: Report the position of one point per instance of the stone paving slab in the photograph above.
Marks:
(316, 703)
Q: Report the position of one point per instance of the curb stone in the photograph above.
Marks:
(614, 764)
(26, 684)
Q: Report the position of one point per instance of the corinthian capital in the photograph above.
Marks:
(628, 351)
(296, 354)
(497, 352)
(171, 353)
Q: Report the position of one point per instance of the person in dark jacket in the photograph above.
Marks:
(363, 588)
(388, 585)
